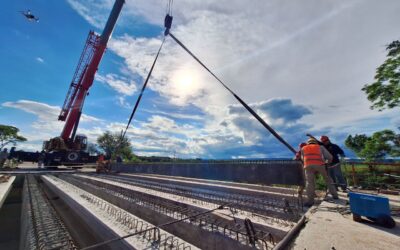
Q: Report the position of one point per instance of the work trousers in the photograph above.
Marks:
(310, 172)
(335, 172)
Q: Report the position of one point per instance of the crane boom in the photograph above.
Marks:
(84, 74)
(69, 148)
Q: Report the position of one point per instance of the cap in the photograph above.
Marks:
(311, 141)
(324, 138)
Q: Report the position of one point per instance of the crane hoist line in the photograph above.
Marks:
(168, 23)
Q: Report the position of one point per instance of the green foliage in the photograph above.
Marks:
(356, 143)
(320, 183)
(9, 135)
(385, 91)
(375, 147)
(112, 145)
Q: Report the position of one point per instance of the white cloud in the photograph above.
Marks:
(317, 54)
(39, 59)
(46, 124)
(176, 115)
(120, 84)
(93, 11)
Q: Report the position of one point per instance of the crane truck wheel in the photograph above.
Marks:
(72, 156)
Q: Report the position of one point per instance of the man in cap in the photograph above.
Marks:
(334, 168)
(314, 159)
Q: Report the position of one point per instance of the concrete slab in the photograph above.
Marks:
(192, 202)
(76, 195)
(5, 188)
(330, 226)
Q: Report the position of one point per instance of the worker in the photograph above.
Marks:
(334, 168)
(102, 164)
(297, 157)
(314, 158)
(3, 157)
(41, 159)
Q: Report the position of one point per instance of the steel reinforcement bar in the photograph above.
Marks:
(282, 208)
(42, 228)
(155, 239)
(265, 240)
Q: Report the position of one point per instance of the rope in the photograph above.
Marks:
(269, 128)
(141, 92)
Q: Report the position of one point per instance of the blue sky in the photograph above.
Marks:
(300, 65)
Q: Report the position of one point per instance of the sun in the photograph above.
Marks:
(185, 82)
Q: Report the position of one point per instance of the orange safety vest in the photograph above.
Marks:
(312, 155)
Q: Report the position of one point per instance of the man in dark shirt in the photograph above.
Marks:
(334, 168)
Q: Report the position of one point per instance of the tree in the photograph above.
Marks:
(9, 135)
(112, 145)
(378, 146)
(385, 91)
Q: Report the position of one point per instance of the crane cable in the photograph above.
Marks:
(269, 128)
(167, 24)
(141, 92)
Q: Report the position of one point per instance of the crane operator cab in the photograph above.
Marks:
(72, 153)
(81, 142)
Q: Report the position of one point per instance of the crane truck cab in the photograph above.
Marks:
(72, 153)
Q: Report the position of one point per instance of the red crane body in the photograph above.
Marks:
(84, 74)
(81, 82)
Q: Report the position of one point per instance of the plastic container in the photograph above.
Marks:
(374, 207)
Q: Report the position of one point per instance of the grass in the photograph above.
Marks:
(367, 177)
(371, 176)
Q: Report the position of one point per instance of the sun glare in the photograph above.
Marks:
(185, 82)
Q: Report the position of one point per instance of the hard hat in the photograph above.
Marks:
(324, 138)
(311, 141)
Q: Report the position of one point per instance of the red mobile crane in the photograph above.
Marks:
(70, 148)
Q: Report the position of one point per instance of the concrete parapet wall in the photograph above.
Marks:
(265, 172)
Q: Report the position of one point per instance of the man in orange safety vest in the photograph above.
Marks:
(314, 159)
